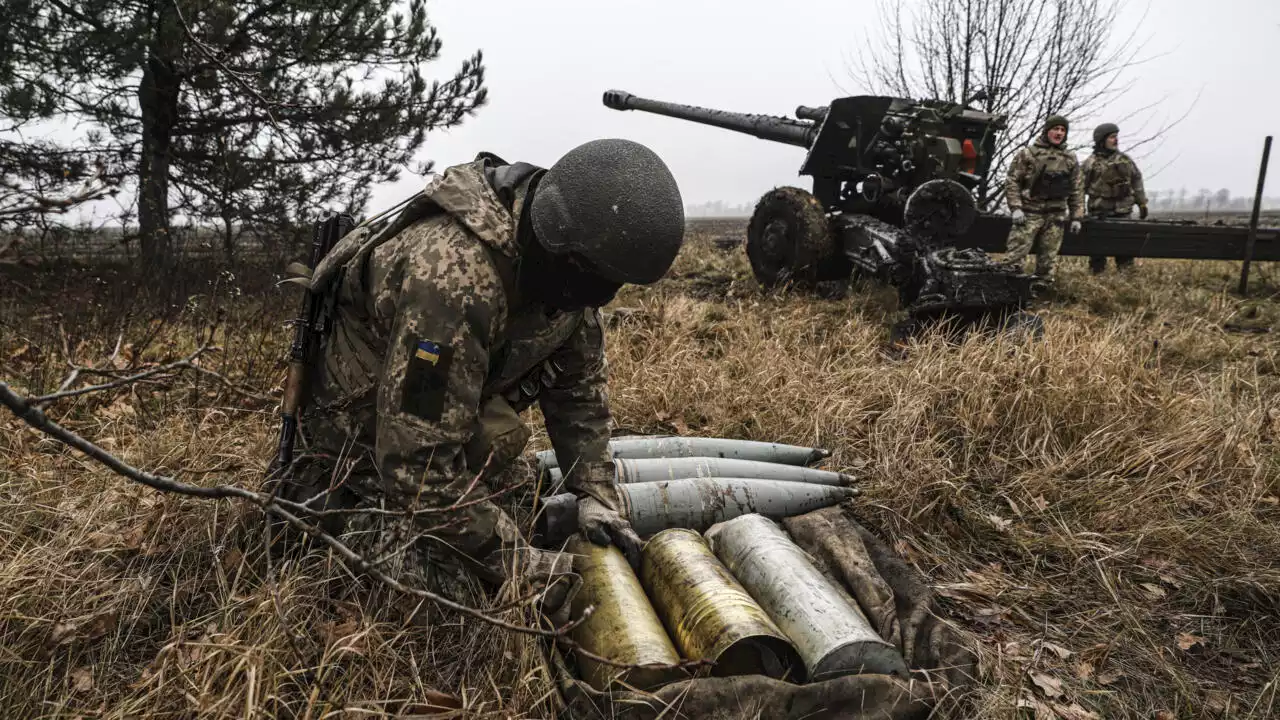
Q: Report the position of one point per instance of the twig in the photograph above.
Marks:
(230, 385)
(34, 417)
(413, 512)
(185, 363)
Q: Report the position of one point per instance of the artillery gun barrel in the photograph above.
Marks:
(766, 127)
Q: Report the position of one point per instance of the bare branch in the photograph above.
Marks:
(185, 363)
(290, 512)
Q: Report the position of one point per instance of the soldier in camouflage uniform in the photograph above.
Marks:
(479, 299)
(1113, 184)
(1043, 192)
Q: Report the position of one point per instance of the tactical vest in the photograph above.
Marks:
(1052, 184)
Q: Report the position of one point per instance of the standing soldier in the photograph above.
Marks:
(1113, 184)
(1043, 192)
(479, 299)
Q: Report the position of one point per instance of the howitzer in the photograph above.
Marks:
(893, 183)
(309, 328)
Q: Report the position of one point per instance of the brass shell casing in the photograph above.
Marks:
(708, 612)
(623, 627)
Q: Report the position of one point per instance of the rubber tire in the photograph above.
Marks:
(806, 254)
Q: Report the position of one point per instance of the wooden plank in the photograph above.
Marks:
(1140, 239)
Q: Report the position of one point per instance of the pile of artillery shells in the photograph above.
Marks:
(745, 598)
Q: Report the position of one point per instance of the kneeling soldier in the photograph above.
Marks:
(479, 299)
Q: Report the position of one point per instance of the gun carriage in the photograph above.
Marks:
(893, 183)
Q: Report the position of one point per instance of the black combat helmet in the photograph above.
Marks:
(614, 205)
(1102, 132)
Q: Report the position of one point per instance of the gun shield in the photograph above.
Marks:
(826, 625)
(708, 613)
(622, 626)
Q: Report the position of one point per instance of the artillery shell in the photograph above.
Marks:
(623, 626)
(655, 469)
(708, 613)
(675, 446)
(694, 503)
(826, 625)
(699, 503)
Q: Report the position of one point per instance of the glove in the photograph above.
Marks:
(1142, 212)
(600, 507)
(604, 525)
(1019, 217)
(549, 573)
(1075, 226)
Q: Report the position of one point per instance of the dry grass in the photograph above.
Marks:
(1101, 509)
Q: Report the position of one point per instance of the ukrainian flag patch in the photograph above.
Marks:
(428, 351)
(426, 379)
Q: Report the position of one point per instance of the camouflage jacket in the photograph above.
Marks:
(1113, 183)
(433, 352)
(1044, 179)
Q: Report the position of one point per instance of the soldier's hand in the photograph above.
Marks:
(604, 526)
(1019, 217)
(1075, 226)
(1142, 212)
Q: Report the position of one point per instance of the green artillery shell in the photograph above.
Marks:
(655, 469)
(623, 626)
(673, 446)
(823, 621)
(708, 613)
(699, 503)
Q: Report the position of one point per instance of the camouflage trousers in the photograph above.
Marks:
(447, 540)
(1044, 232)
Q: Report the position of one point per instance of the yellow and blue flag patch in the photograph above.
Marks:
(426, 380)
(428, 351)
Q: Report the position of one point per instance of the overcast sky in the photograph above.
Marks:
(549, 61)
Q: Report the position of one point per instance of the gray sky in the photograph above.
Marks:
(549, 61)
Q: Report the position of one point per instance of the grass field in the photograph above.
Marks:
(1100, 510)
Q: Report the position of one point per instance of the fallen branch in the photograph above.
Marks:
(34, 417)
(185, 363)
(284, 509)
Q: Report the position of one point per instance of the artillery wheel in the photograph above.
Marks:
(789, 241)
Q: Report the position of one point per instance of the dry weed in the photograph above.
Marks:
(1100, 511)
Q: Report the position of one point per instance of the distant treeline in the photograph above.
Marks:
(1181, 199)
(1205, 199)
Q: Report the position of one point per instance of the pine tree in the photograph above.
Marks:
(249, 112)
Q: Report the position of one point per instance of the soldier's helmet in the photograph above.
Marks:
(1102, 132)
(614, 206)
(1054, 120)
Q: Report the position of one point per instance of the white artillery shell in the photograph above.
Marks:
(675, 446)
(699, 503)
(824, 622)
(656, 469)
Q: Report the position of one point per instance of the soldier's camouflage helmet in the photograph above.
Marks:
(613, 204)
(1102, 132)
(1056, 120)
